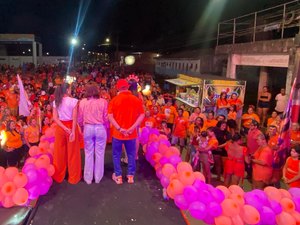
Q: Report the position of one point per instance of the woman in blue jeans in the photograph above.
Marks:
(93, 115)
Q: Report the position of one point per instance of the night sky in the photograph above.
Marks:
(137, 24)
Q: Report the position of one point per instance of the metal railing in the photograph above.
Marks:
(278, 22)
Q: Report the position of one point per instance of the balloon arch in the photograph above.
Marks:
(214, 205)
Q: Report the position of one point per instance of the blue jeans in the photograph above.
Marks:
(130, 147)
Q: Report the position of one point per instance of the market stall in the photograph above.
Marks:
(192, 91)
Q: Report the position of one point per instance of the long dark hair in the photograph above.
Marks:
(8, 127)
(59, 93)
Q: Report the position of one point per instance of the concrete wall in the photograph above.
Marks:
(19, 60)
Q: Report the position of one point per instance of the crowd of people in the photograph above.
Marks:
(108, 106)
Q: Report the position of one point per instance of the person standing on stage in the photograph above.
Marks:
(125, 112)
(66, 146)
(93, 114)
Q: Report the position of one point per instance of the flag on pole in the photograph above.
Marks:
(24, 103)
(284, 140)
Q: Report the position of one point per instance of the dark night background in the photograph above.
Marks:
(137, 24)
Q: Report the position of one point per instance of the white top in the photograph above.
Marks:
(281, 102)
(65, 109)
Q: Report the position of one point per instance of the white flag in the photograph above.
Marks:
(23, 103)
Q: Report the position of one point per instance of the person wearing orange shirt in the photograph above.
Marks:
(13, 147)
(295, 133)
(231, 119)
(32, 133)
(247, 119)
(272, 119)
(185, 114)
(211, 121)
(291, 169)
(12, 100)
(262, 164)
(212, 146)
(222, 104)
(148, 121)
(125, 113)
(46, 124)
(170, 113)
(180, 129)
(159, 117)
(273, 144)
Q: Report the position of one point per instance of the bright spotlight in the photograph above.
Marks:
(82, 48)
(47, 53)
(107, 40)
(129, 60)
(74, 41)
(29, 50)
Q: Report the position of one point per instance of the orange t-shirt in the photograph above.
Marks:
(270, 121)
(209, 123)
(181, 127)
(292, 169)
(231, 116)
(170, 113)
(12, 100)
(238, 103)
(148, 122)
(13, 139)
(295, 135)
(213, 142)
(221, 102)
(32, 134)
(125, 108)
(247, 122)
(263, 173)
(273, 141)
(159, 118)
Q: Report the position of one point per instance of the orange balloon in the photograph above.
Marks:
(20, 197)
(8, 189)
(175, 150)
(162, 137)
(174, 176)
(168, 169)
(51, 146)
(184, 166)
(43, 150)
(7, 202)
(51, 170)
(152, 138)
(30, 160)
(20, 180)
(3, 179)
(296, 216)
(223, 220)
(225, 190)
(236, 189)
(44, 145)
(2, 170)
(239, 199)
(273, 193)
(285, 193)
(169, 153)
(187, 178)
(237, 220)
(287, 205)
(285, 218)
(33, 150)
(230, 207)
(42, 162)
(249, 214)
(156, 157)
(157, 166)
(175, 188)
(1, 196)
(163, 148)
(199, 175)
(11, 172)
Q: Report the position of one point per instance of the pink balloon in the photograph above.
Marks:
(11, 172)
(223, 220)
(20, 197)
(168, 169)
(225, 190)
(236, 189)
(183, 167)
(164, 181)
(190, 193)
(198, 210)
(285, 218)
(20, 180)
(250, 215)
(8, 202)
(181, 202)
